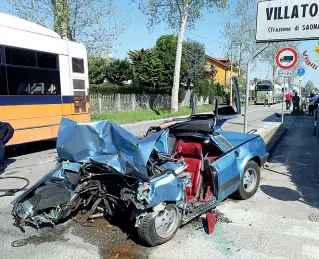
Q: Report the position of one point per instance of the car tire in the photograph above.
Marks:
(150, 235)
(250, 181)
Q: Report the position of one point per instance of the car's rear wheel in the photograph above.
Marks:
(156, 229)
(250, 181)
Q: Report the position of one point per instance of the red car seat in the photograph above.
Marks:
(192, 154)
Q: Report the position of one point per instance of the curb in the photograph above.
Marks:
(273, 138)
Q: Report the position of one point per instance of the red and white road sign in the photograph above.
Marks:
(286, 58)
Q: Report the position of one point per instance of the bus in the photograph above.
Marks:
(274, 91)
(42, 79)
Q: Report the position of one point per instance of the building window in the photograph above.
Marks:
(45, 60)
(20, 57)
(33, 81)
(78, 65)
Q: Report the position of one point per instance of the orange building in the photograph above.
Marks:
(223, 68)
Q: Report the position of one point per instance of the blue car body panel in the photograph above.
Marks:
(166, 187)
(107, 143)
(231, 165)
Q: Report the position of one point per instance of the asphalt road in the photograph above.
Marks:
(103, 240)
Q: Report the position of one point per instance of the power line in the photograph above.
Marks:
(199, 36)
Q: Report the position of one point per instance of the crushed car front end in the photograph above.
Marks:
(106, 170)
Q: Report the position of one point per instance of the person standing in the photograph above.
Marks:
(6, 133)
(295, 103)
(313, 104)
(266, 99)
(288, 100)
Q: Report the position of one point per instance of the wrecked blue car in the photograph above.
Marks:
(179, 171)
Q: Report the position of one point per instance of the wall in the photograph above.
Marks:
(223, 73)
(235, 73)
(132, 102)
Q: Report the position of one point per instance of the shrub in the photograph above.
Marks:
(206, 89)
(109, 88)
(181, 94)
(119, 71)
(227, 97)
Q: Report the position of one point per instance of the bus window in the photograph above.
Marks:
(45, 60)
(79, 101)
(20, 57)
(33, 81)
(78, 65)
(79, 96)
(3, 81)
(78, 84)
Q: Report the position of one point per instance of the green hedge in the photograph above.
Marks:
(127, 89)
(109, 88)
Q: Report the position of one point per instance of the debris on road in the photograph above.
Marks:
(211, 221)
(314, 217)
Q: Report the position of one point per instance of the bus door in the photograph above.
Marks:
(79, 82)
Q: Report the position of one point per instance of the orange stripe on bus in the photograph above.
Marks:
(38, 122)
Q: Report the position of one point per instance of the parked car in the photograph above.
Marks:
(179, 171)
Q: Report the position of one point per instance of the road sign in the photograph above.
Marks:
(286, 73)
(286, 58)
(300, 71)
(300, 79)
(282, 20)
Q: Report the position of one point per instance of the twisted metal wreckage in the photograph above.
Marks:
(162, 181)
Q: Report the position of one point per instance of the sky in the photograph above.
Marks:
(208, 30)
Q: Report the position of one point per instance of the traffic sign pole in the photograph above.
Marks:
(300, 72)
(283, 100)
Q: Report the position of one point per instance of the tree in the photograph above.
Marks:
(178, 14)
(119, 71)
(97, 69)
(92, 22)
(239, 33)
(165, 51)
(211, 71)
(310, 86)
(147, 69)
(195, 56)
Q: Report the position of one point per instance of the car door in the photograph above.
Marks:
(226, 167)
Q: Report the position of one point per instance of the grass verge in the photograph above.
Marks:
(145, 115)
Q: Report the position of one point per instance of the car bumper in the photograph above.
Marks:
(264, 159)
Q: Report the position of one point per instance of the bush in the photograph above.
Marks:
(181, 94)
(109, 88)
(227, 97)
(119, 71)
(206, 89)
